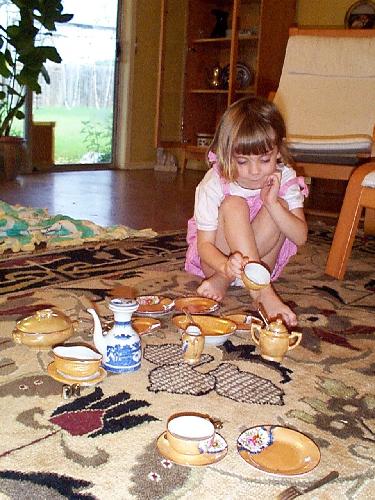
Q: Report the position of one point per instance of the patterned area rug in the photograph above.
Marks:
(101, 444)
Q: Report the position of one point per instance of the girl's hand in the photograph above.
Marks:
(234, 265)
(270, 190)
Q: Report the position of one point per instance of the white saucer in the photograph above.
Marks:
(211, 457)
(52, 372)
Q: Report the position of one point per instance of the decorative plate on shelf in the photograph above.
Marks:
(360, 15)
(244, 76)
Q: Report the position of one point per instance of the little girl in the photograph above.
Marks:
(248, 206)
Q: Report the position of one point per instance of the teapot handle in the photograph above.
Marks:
(255, 332)
(294, 335)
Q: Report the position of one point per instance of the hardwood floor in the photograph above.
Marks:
(136, 198)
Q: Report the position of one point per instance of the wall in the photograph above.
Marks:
(322, 12)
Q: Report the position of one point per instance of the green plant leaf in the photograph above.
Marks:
(45, 75)
(49, 53)
(4, 69)
(22, 61)
(8, 57)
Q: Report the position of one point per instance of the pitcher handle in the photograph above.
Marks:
(297, 336)
(255, 332)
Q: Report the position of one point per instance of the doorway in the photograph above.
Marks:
(79, 102)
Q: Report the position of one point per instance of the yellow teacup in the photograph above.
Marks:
(255, 276)
(190, 434)
(76, 361)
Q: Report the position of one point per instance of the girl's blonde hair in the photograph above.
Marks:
(250, 126)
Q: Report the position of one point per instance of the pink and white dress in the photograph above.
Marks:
(211, 192)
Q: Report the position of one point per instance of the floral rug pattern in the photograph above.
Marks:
(101, 443)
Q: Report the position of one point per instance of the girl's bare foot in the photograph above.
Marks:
(274, 306)
(214, 287)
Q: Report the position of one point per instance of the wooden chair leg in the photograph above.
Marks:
(347, 224)
(343, 239)
(369, 224)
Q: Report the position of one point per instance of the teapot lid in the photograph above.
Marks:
(123, 305)
(193, 330)
(277, 327)
(44, 321)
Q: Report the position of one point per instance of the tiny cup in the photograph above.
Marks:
(76, 361)
(190, 434)
(255, 276)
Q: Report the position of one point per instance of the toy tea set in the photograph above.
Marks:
(190, 439)
(119, 350)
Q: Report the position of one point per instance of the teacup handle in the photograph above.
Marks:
(17, 337)
(294, 335)
(255, 332)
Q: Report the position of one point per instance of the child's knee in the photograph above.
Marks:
(233, 203)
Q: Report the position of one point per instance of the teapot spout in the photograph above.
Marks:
(99, 340)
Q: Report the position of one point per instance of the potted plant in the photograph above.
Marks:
(23, 54)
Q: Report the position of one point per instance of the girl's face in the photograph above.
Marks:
(253, 170)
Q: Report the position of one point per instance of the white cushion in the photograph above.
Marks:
(369, 180)
(327, 86)
(332, 144)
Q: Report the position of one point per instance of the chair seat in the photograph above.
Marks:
(369, 180)
(331, 144)
(351, 159)
(344, 150)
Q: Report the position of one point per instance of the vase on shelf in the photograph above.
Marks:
(221, 25)
(215, 76)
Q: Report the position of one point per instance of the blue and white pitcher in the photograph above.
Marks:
(121, 346)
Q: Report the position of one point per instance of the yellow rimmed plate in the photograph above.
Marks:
(154, 305)
(52, 372)
(214, 454)
(243, 321)
(215, 330)
(145, 325)
(278, 450)
(196, 305)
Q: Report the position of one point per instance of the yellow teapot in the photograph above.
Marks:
(274, 340)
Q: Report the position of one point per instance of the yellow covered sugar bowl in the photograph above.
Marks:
(43, 329)
(274, 340)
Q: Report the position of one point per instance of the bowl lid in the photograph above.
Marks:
(277, 328)
(44, 321)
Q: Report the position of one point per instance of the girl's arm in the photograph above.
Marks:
(292, 223)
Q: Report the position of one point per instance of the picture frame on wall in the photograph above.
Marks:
(360, 15)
